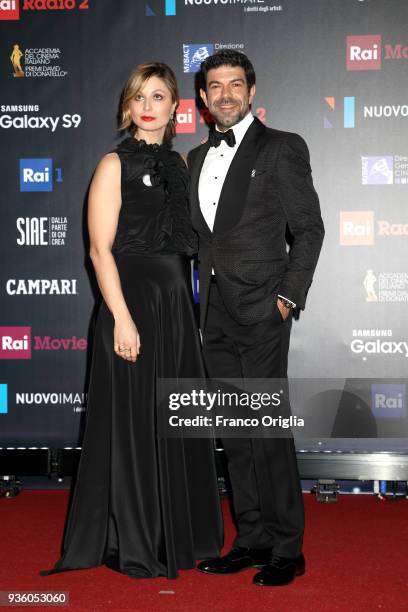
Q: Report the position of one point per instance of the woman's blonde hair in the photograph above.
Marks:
(134, 84)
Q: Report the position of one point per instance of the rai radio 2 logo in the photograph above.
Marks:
(186, 117)
(9, 9)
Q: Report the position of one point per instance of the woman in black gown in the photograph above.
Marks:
(143, 505)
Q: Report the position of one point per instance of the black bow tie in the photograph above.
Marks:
(215, 138)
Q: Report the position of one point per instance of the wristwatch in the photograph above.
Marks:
(287, 303)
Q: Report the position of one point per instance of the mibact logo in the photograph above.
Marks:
(186, 117)
(37, 174)
(3, 399)
(364, 52)
(15, 342)
(9, 9)
(388, 401)
(357, 227)
(193, 55)
(377, 170)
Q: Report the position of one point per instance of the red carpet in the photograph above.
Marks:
(356, 552)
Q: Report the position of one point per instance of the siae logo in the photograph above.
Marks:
(9, 9)
(186, 117)
(37, 175)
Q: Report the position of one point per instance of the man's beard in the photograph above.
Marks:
(230, 120)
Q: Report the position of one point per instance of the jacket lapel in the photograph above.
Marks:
(197, 216)
(234, 191)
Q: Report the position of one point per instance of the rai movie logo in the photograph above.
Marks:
(9, 10)
(15, 342)
(364, 52)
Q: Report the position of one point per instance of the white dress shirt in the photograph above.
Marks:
(215, 168)
(214, 171)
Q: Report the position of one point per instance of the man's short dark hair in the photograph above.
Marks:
(228, 57)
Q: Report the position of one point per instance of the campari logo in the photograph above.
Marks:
(16, 343)
(186, 117)
(9, 9)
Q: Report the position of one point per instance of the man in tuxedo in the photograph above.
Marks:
(249, 185)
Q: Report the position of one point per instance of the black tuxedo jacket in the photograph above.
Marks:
(268, 189)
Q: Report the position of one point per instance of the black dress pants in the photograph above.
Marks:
(267, 497)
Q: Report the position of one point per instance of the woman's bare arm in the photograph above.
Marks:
(103, 212)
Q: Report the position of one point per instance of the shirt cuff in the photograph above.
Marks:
(287, 299)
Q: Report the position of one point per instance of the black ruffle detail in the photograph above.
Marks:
(167, 168)
(176, 179)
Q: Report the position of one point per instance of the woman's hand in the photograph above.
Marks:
(126, 339)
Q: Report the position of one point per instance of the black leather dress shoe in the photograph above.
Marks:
(280, 571)
(237, 560)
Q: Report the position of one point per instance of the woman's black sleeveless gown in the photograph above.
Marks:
(144, 505)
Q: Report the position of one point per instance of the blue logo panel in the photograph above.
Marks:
(193, 55)
(388, 401)
(3, 399)
(35, 174)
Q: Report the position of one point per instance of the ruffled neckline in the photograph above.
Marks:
(131, 144)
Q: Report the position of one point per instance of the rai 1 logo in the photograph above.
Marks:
(186, 117)
(37, 174)
(9, 10)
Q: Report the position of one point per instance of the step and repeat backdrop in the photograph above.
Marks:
(335, 71)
